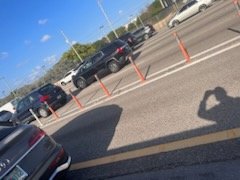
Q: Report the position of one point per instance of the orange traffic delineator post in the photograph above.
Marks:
(102, 86)
(137, 70)
(76, 100)
(236, 4)
(182, 47)
(52, 111)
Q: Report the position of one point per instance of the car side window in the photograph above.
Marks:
(97, 57)
(21, 105)
(191, 3)
(67, 74)
(183, 9)
(87, 65)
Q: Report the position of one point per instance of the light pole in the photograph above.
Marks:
(101, 29)
(107, 18)
(8, 86)
(133, 21)
(70, 44)
(141, 21)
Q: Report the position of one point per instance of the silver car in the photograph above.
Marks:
(188, 10)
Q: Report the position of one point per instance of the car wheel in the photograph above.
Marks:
(175, 23)
(43, 112)
(113, 66)
(81, 83)
(63, 83)
(202, 8)
(146, 36)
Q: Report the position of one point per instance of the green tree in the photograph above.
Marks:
(131, 27)
(121, 30)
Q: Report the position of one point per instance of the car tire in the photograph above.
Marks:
(113, 66)
(202, 7)
(176, 23)
(43, 112)
(63, 84)
(146, 36)
(81, 83)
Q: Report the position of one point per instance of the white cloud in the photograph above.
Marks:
(3, 55)
(45, 38)
(50, 60)
(21, 64)
(74, 42)
(27, 42)
(42, 21)
(120, 11)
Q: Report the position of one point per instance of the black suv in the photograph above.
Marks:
(53, 95)
(129, 38)
(112, 57)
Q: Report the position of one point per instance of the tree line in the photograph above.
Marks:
(69, 59)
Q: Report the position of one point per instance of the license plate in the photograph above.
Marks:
(18, 173)
(59, 97)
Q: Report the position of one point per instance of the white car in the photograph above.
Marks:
(68, 77)
(188, 10)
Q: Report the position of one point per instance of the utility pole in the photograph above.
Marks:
(101, 27)
(141, 21)
(70, 44)
(8, 86)
(107, 18)
(163, 6)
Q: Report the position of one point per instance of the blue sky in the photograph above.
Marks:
(30, 38)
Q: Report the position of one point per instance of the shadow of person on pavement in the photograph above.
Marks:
(225, 111)
(89, 133)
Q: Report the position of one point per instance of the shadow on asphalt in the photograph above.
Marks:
(89, 136)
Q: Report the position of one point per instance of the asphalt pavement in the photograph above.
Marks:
(178, 103)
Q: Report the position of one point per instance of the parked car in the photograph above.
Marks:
(111, 57)
(10, 106)
(144, 33)
(27, 152)
(5, 116)
(129, 38)
(188, 10)
(53, 95)
(68, 77)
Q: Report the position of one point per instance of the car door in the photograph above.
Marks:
(182, 13)
(97, 61)
(88, 70)
(23, 113)
(193, 7)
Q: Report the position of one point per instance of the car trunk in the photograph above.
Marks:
(23, 148)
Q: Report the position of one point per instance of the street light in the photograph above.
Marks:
(71, 45)
(8, 86)
(107, 18)
(101, 29)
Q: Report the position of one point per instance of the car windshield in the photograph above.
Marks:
(46, 89)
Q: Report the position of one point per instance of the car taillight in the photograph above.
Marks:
(57, 159)
(44, 98)
(120, 50)
(36, 136)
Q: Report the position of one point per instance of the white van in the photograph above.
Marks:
(10, 106)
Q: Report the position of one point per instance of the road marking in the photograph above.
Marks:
(167, 147)
(145, 83)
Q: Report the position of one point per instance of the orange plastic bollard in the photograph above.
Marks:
(236, 4)
(76, 100)
(140, 75)
(182, 47)
(52, 111)
(102, 86)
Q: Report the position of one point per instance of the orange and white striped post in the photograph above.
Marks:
(78, 103)
(137, 70)
(182, 47)
(236, 4)
(104, 88)
(52, 111)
